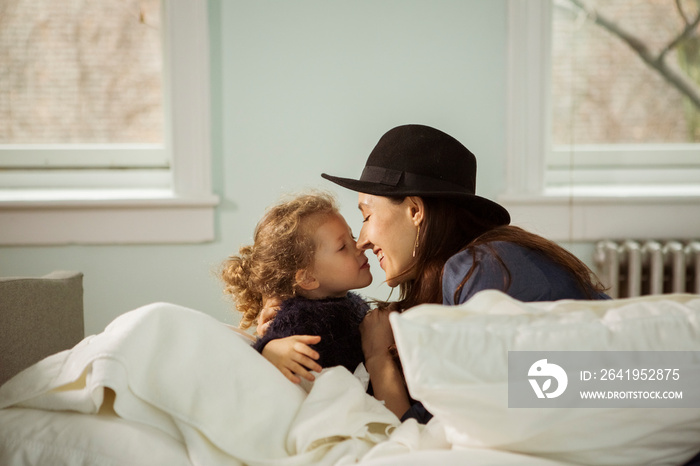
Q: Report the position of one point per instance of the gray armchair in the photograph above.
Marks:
(38, 317)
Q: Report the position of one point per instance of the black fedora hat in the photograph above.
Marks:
(417, 160)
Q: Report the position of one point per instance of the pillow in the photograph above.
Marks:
(31, 437)
(455, 361)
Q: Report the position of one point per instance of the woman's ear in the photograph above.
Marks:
(416, 209)
(305, 280)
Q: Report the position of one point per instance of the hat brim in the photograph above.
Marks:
(478, 205)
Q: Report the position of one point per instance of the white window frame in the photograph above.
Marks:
(585, 203)
(161, 205)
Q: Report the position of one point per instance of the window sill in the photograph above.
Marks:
(58, 217)
(593, 213)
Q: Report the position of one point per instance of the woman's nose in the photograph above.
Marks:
(362, 241)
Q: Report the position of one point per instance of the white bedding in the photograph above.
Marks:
(57, 438)
(455, 360)
(165, 380)
(187, 375)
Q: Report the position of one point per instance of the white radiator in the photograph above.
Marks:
(635, 268)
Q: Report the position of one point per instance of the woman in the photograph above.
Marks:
(441, 243)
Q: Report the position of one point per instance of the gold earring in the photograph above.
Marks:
(415, 245)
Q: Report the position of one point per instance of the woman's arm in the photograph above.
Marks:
(292, 355)
(267, 314)
(385, 376)
(242, 333)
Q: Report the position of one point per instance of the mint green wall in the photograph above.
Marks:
(300, 88)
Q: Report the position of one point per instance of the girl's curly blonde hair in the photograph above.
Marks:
(282, 244)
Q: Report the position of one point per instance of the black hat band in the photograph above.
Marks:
(389, 177)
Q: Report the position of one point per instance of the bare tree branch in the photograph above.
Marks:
(679, 7)
(676, 79)
(687, 31)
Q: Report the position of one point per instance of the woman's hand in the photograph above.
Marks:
(267, 313)
(293, 356)
(376, 333)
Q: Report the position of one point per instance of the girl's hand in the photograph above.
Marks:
(267, 313)
(376, 333)
(293, 356)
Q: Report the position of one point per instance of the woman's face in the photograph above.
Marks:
(389, 230)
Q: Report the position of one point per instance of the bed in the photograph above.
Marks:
(164, 384)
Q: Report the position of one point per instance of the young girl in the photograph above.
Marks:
(304, 254)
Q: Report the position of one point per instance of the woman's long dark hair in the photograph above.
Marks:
(449, 228)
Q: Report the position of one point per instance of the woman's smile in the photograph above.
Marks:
(380, 256)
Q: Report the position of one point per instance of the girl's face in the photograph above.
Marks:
(338, 264)
(389, 230)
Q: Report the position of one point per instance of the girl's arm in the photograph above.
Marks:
(385, 376)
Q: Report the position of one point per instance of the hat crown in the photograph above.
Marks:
(426, 152)
(417, 160)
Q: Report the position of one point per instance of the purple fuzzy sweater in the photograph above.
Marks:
(335, 320)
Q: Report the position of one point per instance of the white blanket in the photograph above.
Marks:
(189, 376)
(186, 374)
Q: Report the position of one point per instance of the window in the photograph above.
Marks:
(571, 174)
(136, 166)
